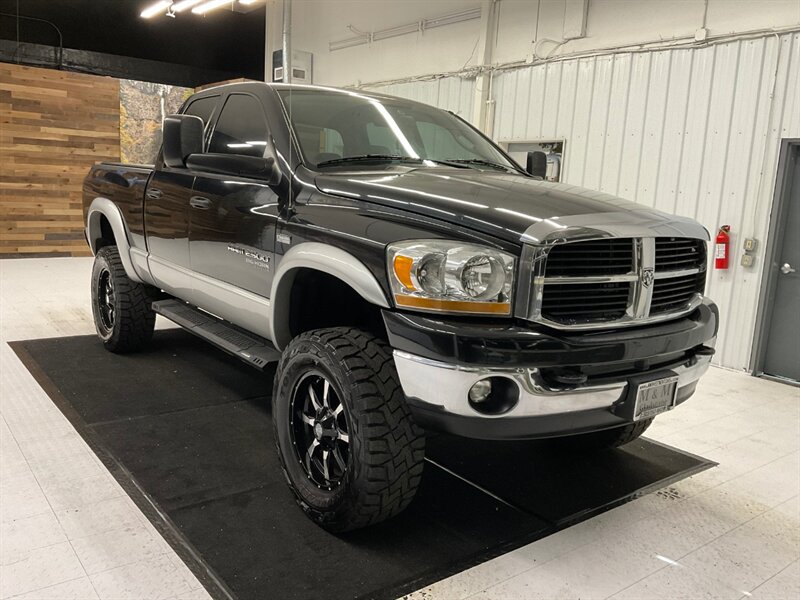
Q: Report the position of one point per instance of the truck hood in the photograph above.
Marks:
(499, 204)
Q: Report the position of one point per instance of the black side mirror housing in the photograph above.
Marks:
(240, 165)
(183, 135)
(537, 164)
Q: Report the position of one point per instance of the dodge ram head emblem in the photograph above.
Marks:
(648, 276)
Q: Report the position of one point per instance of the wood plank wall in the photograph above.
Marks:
(53, 126)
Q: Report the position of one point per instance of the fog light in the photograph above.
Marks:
(481, 390)
(494, 395)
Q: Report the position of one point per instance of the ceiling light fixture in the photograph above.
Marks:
(248, 2)
(154, 9)
(210, 5)
(185, 4)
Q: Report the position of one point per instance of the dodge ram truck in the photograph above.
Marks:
(405, 274)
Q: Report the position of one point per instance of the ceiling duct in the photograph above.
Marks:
(416, 26)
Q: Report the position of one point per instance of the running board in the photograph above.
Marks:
(254, 350)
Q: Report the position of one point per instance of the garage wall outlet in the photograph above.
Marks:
(748, 260)
(750, 245)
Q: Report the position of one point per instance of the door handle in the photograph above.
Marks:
(199, 203)
(153, 193)
(786, 268)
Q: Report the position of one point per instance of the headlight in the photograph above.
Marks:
(443, 276)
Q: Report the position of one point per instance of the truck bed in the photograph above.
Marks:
(125, 184)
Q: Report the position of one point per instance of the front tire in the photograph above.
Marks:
(349, 447)
(123, 317)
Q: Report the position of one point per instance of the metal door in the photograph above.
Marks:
(166, 216)
(781, 346)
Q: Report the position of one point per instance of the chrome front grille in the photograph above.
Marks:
(615, 281)
(565, 303)
(675, 254)
(610, 256)
(674, 293)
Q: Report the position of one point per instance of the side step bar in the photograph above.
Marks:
(254, 350)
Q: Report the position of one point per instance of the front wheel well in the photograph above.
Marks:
(319, 300)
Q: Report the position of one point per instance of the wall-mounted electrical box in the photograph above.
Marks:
(302, 66)
(748, 258)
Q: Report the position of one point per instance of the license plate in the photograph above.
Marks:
(655, 397)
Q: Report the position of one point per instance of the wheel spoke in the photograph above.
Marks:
(310, 453)
(338, 410)
(307, 420)
(326, 386)
(313, 397)
(325, 471)
(343, 436)
(338, 456)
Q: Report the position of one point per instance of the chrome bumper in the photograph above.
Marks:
(444, 387)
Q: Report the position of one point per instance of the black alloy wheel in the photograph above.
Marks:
(121, 307)
(105, 299)
(346, 438)
(320, 431)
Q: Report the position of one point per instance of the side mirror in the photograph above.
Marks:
(537, 164)
(255, 167)
(183, 135)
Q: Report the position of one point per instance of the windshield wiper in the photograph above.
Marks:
(479, 161)
(387, 158)
(369, 158)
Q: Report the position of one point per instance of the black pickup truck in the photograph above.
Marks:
(404, 273)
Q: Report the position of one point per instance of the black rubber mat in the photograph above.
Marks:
(186, 429)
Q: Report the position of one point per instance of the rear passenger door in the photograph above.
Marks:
(233, 219)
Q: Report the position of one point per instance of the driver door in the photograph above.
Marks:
(232, 223)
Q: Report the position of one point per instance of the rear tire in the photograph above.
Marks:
(608, 438)
(348, 445)
(121, 308)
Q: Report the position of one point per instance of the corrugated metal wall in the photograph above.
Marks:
(450, 93)
(688, 131)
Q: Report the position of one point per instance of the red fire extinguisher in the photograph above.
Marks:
(722, 248)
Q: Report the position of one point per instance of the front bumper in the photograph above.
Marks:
(437, 374)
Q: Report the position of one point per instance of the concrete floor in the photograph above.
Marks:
(69, 531)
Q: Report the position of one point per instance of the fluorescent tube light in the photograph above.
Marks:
(154, 9)
(210, 5)
(247, 2)
(185, 4)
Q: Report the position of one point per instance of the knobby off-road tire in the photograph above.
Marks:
(120, 306)
(381, 448)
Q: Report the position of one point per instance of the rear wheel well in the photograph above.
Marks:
(318, 300)
(106, 234)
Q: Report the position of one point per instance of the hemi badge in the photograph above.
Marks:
(284, 238)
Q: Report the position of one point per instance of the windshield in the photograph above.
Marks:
(339, 128)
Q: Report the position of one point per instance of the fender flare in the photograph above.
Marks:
(327, 259)
(105, 207)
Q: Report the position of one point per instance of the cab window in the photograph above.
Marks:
(203, 108)
(241, 127)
